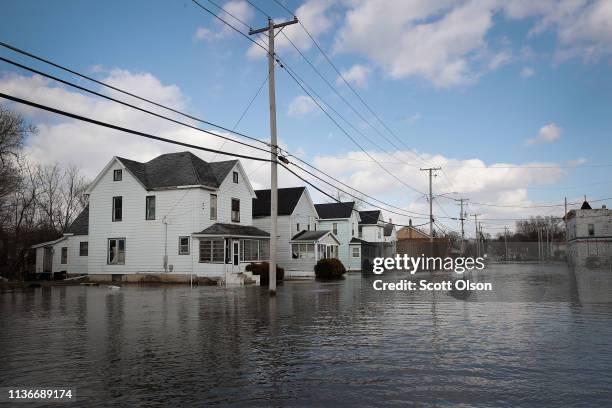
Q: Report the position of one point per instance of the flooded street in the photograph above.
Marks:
(541, 337)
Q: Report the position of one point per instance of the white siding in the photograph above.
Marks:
(76, 264)
(181, 211)
(345, 231)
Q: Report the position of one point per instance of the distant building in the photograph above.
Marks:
(589, 237)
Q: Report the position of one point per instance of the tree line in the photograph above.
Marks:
(37, 202)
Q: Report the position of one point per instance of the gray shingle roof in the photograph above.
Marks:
(287, 200)
(179, 169)
(388, 228)
(369, 217)
(335, 210)
(233, 230)
(80, 225)
(309, 235)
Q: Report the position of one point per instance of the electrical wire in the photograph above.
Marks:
(124, 129)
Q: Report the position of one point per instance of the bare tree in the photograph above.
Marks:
(72, 191)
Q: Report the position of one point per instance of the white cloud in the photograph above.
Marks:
(527, 72)
(301, 105)
(547, 134)
(357, 75)
(498, 183)
(242, 11)
(439, 41)
(577, 162)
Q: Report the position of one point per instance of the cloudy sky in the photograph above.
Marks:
(512, 98)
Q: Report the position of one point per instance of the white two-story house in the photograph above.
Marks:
(300, 245)
(175, 217)
(343, 221)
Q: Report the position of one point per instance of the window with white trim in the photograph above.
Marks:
(83, 248)
(213, 206)
(591, 228)
(183, 246)
(211, 250)
(116, 251)
(150, 208)
(117, 175)
(302, 251)
(64, 257)
(356, 252)
(335, 228)
(235, 177)
(253, 250)
(235, 210)
(117, 208)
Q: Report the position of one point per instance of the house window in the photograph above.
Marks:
(297, 227)
(83, 248)
(321, 251)
(335, 228)
(302, 251)
(213, 206)
(64, 258)
(379, 234)
(235, 210)
(117, 208)
(183, 245)
(211, 251)
(150, 208)
(254, 250)
(116, 251)
(591, 229)
(117, 175)
(352, 230)
(235, 177)
(360, 229)
(356, 252)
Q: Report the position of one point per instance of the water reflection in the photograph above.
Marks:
(540, 338)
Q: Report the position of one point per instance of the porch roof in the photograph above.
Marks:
(232, 230)
(312, 236)
(49, 243)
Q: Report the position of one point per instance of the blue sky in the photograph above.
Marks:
(457, 81)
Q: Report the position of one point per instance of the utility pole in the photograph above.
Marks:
(506, 241)
(461, 218)
(431, 219)
(481, 237)
(477, 241)
(565, 219)
(273, 146)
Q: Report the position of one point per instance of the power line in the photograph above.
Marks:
(114, 88)
(128, 104)
(244, 112)
(340, 202)
(123, 129)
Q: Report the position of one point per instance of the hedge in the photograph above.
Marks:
(329, 268)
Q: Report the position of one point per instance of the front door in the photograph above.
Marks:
(235, 254)
(47, 259)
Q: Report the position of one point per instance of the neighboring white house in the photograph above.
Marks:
(296, 214)
(174, 217)
(343, 221)
(371, 226)
(589, 237)
(390, 239)
(67, 254)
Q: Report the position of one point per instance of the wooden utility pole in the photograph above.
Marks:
(477, 241)
(431, 219)
(506, 241)
(461, 218)
(273, 146)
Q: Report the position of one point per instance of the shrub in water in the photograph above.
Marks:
(329, 268)
(262, 269)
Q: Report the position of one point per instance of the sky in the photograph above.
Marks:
(511, 98)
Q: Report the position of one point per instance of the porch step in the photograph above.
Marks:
(241, 278)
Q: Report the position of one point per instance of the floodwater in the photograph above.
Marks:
(542, 337)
